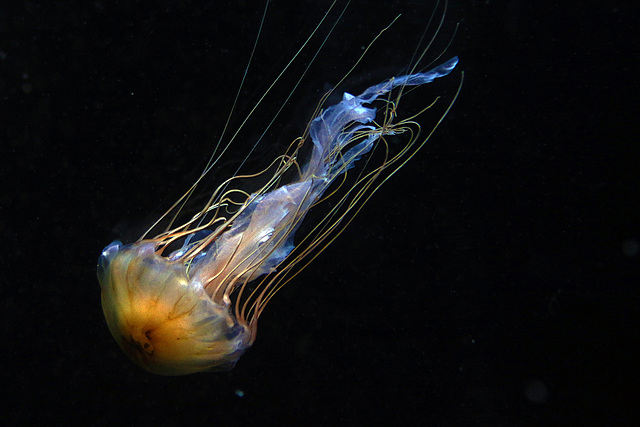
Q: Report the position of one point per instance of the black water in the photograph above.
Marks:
(493, 281)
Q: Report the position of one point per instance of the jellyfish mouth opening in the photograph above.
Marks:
(139, 347)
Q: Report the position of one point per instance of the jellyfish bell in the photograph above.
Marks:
(162, 320)
(188, 298)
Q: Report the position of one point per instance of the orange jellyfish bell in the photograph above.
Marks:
(164, 322)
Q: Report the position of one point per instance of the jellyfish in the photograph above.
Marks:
(188, 298)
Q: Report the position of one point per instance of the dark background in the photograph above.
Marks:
(493, 281)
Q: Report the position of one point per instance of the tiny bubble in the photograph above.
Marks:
(630, 248)
(536, 392)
